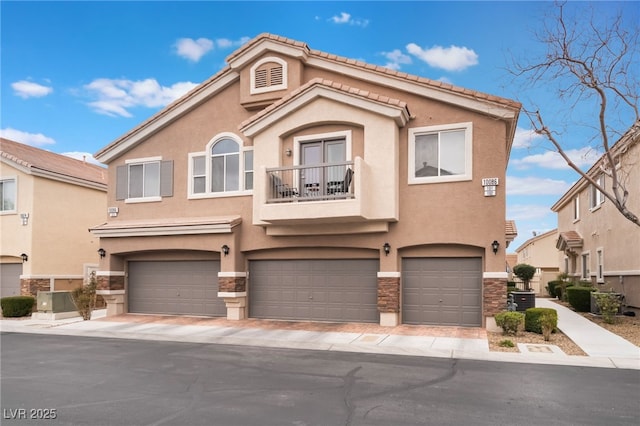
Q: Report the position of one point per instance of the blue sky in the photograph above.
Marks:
(76, 75)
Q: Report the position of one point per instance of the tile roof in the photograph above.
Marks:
(39, 160)
(329, 84)
(510, 229)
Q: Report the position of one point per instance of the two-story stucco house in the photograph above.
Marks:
(540, 251)
(296, 184)
(49, 202)
(596, 242)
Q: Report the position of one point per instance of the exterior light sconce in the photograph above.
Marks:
(102, 253)
(288, 152)
(225, 249)
(24, 257)
(387, 249)
(494, 246)
(25, 218)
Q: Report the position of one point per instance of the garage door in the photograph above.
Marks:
(317, 290)
(442, 291)
(10, 279)
(187, 288)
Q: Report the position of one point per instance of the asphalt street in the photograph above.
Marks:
(70, 380)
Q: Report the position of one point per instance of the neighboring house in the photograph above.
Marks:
(540, 251)
(49, 202)
(299, 185)
(596, 242)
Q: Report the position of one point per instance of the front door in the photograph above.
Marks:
(318, 157)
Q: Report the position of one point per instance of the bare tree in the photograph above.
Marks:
(593, 61)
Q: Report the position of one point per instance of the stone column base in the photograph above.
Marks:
(115, 301)
(236, 303)
(389, 319)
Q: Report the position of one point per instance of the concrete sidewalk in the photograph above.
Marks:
(603, 350)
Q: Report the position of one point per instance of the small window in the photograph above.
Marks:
(8, 195)
(248, 169)
(585, 266)
(268, 75)
(595, 196)
(440, 153)
(576, 208)
(143, 180)
(600, 259)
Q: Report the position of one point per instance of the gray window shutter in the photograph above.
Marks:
(166, 178)
(122, 182)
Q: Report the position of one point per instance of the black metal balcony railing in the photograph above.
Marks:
(327, 181)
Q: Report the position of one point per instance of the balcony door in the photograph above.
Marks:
(317, 157)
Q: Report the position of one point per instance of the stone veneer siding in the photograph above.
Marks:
(494, 296)
(31, 286)
(110, 282)
(232, 284)
(389, 295)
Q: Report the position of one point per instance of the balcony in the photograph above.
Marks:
(325, 199)
(328, 181)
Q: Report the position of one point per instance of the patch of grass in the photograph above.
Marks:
(506, 343)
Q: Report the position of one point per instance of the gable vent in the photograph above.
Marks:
(268, 74)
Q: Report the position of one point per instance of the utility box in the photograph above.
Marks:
(524, 300)
(55, 301)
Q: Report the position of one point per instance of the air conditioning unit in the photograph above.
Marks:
(55, 301)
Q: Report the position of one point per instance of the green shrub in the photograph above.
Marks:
(532, 318)
(85, 297)
(580, 298)
(17, 306)
(506, 343)
(510, 322)
(524, 272)
(551, 287)
(548, 323)
(609, 304)
(561, 290)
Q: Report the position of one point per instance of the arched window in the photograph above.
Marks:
(226, 167)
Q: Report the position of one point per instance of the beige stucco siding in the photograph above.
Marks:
(16, 238)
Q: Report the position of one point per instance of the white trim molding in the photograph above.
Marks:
(389, 274)
(499, 275)
(110, 273)
(231, 294)
(232, 274)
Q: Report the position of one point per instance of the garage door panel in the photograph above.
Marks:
(10, 279)
(442, 291)
(324, 290)
(175, 287)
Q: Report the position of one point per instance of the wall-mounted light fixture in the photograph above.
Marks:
(288, 152)
(494, 246)
(24, 257)
(225, 249)
(387, 249)
(25, 218)
(102, 253)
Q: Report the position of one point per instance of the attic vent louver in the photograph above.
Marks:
(268, 75)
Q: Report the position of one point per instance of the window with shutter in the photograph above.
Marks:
(268, 74)
(144, 180)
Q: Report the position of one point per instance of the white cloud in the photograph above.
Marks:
(396, 58)
(28, 89)
(583, 157)
(192, 49)
(82, 156)
(532, 185)
(451, 58)
(345, 18)
(33, 139)
(115, 97)
(225, 43)
(525, 138)
(522, 212)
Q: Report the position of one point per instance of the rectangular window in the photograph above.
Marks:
(143, 180)
(440, 153)
(595, 196)
(248, 169)
(600, 272)
(576, 208)
(199, 174)
(585, 266)
(8, 195)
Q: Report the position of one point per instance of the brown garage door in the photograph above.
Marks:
(442, 291)
(10, 279)
(181, 288)
(317, 290)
